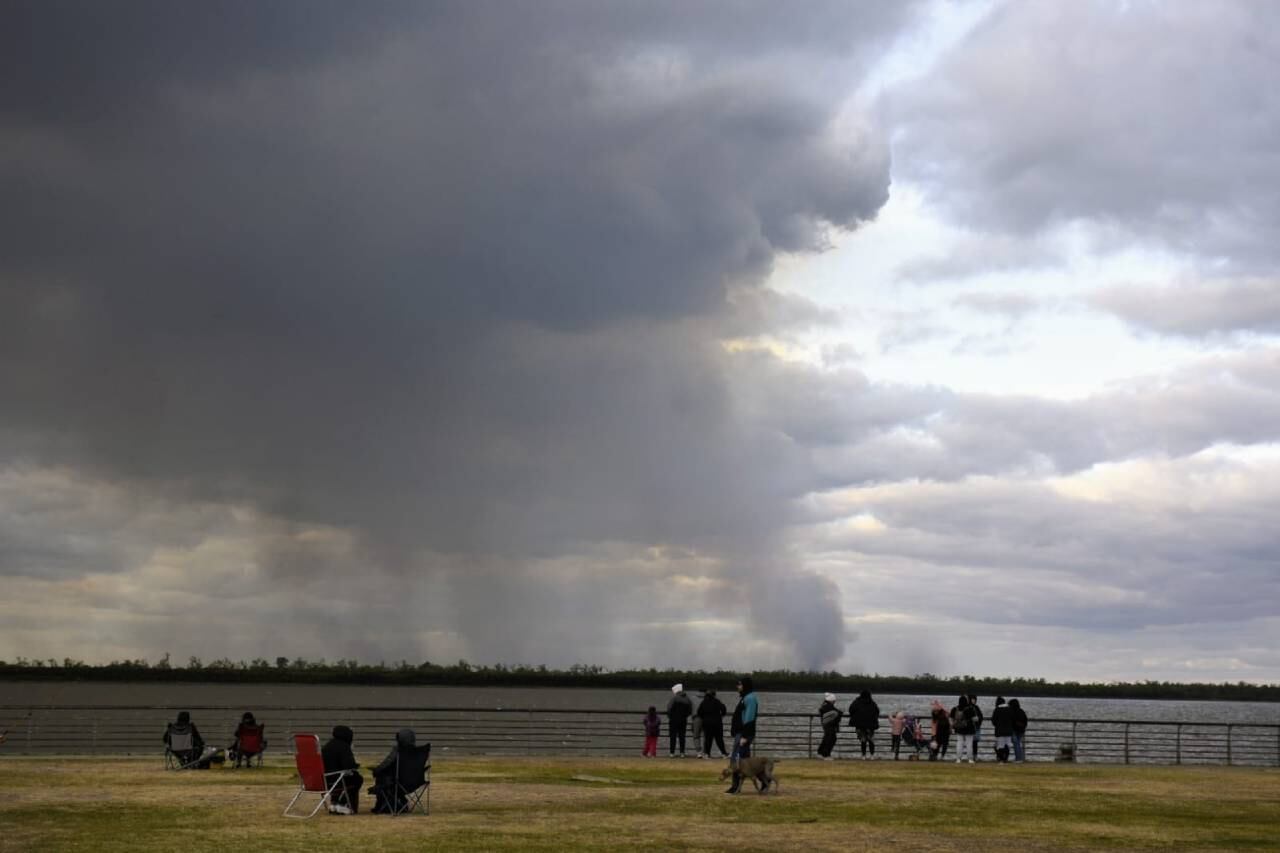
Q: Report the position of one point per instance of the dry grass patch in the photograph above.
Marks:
(537, 804)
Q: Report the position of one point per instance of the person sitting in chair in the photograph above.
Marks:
(391, 778)
(338, 756)
(182, 738)
(248, 742)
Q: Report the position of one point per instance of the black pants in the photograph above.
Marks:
(387, 796)
(348, 791)
(709, 735)
(677, 734)
(828, 743)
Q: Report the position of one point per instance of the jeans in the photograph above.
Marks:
(1018, 754)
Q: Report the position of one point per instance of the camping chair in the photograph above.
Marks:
(313, 779)
(413, 779)
(251, 744)
(180, 751)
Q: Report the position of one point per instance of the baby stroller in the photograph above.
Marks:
(914, 737)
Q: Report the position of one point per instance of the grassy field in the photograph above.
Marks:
(538, 804)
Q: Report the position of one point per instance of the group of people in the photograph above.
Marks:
(390, 785)
(708, 725)
(182, 738)
(964, 721)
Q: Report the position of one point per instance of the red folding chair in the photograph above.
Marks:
(250, 744)
(313, 779)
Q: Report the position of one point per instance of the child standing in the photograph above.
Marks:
(652, 728)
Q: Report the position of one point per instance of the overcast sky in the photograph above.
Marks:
(885, 337)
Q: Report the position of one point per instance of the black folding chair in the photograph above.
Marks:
(413, 780)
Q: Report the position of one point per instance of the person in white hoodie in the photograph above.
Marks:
(829, 715)
(679, 709)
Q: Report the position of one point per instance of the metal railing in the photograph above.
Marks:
(138, 729)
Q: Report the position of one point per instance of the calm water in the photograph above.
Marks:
(345, 696)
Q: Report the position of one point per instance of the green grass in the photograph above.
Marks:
(536, 804)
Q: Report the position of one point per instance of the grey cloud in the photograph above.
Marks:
(1199, 552)
(1151, 119)
(443, 279)
(1198, 309)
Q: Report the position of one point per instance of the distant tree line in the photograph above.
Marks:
(302, 671)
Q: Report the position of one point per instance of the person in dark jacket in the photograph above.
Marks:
(864, 716)
(963, 722)
(979, 717)
(388, 796)
(829, 715)
(679, 709)
(1019, 722)
(711, 711)
(743, 728)
(1002, 726)
(941, 734)
(177, 732)
(337, 756)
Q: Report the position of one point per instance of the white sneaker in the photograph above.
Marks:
(971, 761)
(338, 808)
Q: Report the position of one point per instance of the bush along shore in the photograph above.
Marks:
(301, 671)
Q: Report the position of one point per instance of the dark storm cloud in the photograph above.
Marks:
(1149, 119)
(448, 276)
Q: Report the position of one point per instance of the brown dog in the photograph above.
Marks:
(758, 767)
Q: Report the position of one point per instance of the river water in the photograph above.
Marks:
(349, 696)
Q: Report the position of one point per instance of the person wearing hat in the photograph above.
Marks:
(829, 715)
(679, 709)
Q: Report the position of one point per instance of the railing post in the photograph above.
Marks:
(1178, 751)
(528, 738)
(1126, 743)
(810, 719)
(1075, 749)
(1228, 745)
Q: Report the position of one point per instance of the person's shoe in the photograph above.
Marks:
(737, 784)
(671, 755)
(971, 761)
(339, 808)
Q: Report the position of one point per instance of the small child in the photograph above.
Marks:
(652, 728)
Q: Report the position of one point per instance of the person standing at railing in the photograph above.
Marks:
(652, 731)
(941, 734)
(695, 728)
(711, 712)
(897, 721)
(829, 715)
(679, 709)
(1002, 725)
(864, 716)
(743, 727)
(977, 725)
(963, 718)
(1019, 722)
